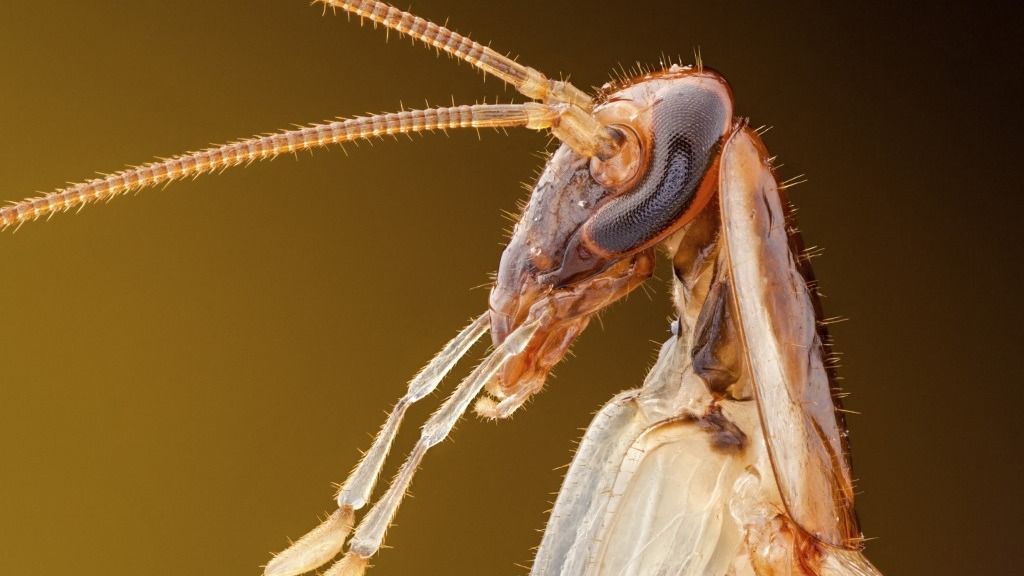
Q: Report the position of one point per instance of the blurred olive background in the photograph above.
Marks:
(187, 372)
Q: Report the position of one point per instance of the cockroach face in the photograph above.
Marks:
(588, 234)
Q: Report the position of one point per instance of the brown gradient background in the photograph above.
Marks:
(187, 372)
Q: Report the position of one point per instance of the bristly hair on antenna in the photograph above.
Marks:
(529, 115)
(527, 81)
(562, 108)
(576, 125)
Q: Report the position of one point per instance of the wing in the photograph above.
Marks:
(649, 489)
(778, 325)
(669, 508)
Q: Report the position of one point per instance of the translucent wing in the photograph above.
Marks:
(647, 492)
(669, 512)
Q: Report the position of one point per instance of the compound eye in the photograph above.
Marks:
(620, 172)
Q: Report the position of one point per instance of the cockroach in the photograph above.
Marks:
(731, 458)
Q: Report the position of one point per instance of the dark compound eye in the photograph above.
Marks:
(688, 123)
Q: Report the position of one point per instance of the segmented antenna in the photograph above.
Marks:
(527, 81)
(564, 109)
(530, 115)
(576, 125)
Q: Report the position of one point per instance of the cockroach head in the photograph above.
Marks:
(587, 236)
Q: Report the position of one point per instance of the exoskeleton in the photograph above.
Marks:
(731, 458)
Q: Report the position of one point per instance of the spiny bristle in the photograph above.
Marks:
(622, 78)
(832, 320)
(810, 253)
(791, 182)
